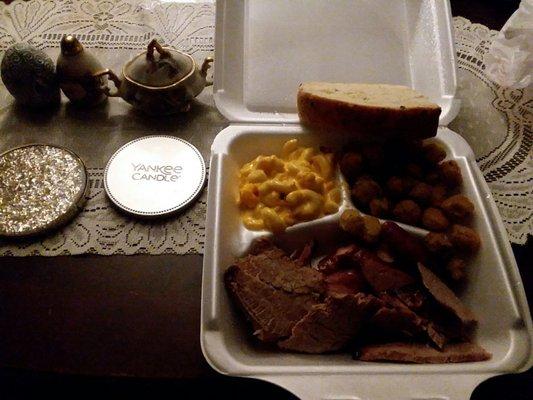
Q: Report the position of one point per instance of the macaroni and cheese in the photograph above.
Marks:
(277, 192)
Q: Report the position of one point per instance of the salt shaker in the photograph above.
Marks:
(76, 70)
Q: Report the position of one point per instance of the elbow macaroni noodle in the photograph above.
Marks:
(277, 192)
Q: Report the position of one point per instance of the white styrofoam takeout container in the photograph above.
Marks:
(263, 51)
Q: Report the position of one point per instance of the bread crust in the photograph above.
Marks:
(366, 123)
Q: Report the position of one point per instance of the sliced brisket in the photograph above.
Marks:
(275, 268)
(341, 258)
(303, 310)
(274, 291)
(304, 254)
(421, 353)
(380, 275)
(395, 317)
(445, 297)
(404, 245)
(329, 326)
(349, 281)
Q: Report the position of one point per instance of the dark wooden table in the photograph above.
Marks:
(128, 326)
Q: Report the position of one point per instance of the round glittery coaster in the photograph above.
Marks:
(41, 188)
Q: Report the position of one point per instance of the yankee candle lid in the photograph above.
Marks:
(154, 176)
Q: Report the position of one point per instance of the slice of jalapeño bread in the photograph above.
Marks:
(367, 112)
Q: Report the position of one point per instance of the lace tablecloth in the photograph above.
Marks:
(496, 122)
(498, 125)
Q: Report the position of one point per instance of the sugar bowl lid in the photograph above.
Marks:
(166, 68)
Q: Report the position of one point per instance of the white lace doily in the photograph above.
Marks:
(496, 122)
(101, 229)
(498, 125)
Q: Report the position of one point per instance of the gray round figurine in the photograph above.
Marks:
(30, 76)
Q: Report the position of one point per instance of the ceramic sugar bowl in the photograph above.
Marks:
(162, 83)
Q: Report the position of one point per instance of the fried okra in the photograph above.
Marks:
(364, 190)
(407, 211)
(421, 193)
(432, 177)
(373, 156)
(456, 268)
(438, 243)
(379, 207)
(464, 239)
(351, 165)
(438, 195)
(370, 229)
(349, 221)
(458, 207)
(434, 219)
(434, 153)
(365, 227)
(414, 170)
(395, 186)
(398, 186)
(450, 173)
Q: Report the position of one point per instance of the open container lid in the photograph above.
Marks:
(265, 49)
